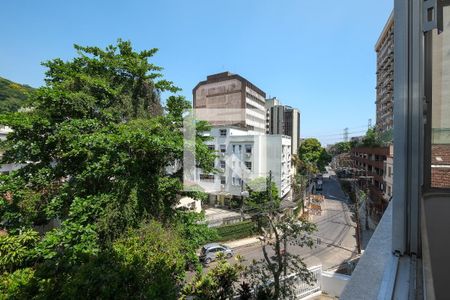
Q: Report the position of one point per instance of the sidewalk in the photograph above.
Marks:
(242, 242)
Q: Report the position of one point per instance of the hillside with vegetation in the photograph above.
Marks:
(12, 95)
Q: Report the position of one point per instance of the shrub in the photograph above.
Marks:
(17, 251)
(236, 231)
(15, 285)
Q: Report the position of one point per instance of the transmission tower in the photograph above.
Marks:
(346, 134)
(369, 124)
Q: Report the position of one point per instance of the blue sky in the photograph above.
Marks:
(317, 56)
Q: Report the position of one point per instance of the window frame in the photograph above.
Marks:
(428, 92)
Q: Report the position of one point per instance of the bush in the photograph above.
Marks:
(15, 285)
(236, 231)
(17, 251)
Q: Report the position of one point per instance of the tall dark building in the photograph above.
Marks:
(282, 119)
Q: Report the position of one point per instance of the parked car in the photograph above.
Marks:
(209, 252)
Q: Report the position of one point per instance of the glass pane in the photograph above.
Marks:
(440, 123)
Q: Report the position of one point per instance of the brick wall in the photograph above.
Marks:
(440, 161)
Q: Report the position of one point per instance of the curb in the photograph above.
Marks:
(243, 245)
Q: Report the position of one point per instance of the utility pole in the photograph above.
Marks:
(358, 229)
(269, 194)
(269, 190)
(242, 200)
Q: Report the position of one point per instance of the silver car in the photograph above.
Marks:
(209, 252)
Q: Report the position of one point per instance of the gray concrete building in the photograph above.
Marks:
(385, 78)
(237, 101)
(282, 119)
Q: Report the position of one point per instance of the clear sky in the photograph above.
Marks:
(317, 56)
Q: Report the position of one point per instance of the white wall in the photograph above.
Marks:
(269, 152)
(333, 283)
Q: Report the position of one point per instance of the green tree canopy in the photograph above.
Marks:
(97, 146)
(260, 197)
(313, 154)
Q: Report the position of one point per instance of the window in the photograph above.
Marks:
(389, 191)
(236, 181)
(240, 148)
(439, 93)
(207, 177)
(211, 147)
(234, 148)
(223, 132)
(248, 165)
(248, 148)
(223, 148)
(223, 180)
(222, 164)
(390, 171)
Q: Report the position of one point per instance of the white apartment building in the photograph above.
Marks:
(245, 155)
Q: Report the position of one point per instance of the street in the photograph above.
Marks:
(335, 235)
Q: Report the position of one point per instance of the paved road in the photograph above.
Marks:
(336, 231)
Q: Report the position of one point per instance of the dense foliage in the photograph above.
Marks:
(372, 138)
(13, 95)
(236, 231)
(218, 283)
(97, 146)
(313, 156)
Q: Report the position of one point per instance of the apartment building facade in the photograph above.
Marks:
(244, 156)
(231, 100)
(388, 175)
(369, 168)
(385, 78)
(282, 119)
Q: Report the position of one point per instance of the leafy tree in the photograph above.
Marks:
(268, 276)
(144, 263)
(371, 138)
(259, 197)
(194, 230)
(17, 251)
(354, 143)
(313, 155)
(217, 283)
(341, 147)
(97, 146)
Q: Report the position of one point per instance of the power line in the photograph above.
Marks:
(340, 134)
(351, 130)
